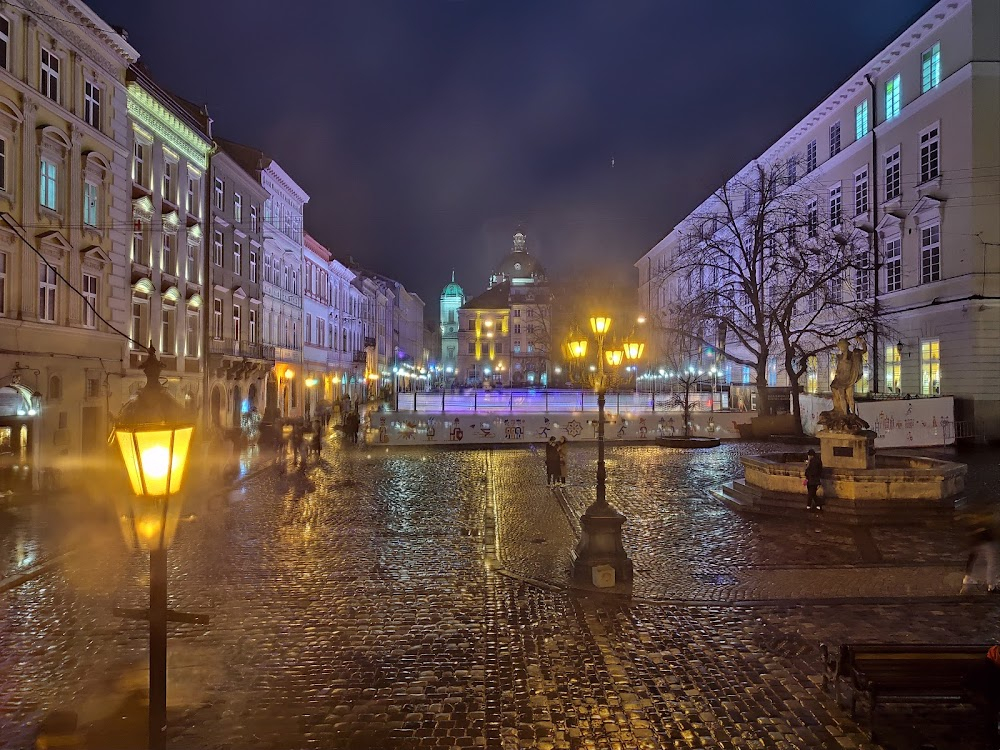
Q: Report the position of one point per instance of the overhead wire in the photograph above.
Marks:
(6, 218)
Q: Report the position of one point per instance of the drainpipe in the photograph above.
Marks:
(876, 262)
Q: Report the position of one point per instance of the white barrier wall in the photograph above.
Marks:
(898, 423)
(403, 428)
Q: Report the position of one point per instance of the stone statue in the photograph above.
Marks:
(849, 367)
(843, 417)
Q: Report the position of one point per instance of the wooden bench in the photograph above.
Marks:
(914, 673)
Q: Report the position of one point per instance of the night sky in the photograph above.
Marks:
(425, 131)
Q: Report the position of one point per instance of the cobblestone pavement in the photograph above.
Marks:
(350, 608)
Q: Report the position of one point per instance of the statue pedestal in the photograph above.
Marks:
(843, 450)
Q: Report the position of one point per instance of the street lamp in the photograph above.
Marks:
(601, 525)
(154, 433)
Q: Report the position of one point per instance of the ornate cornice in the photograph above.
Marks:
(82, 17)
(145, 108)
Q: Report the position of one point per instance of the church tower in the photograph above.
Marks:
(452, 298)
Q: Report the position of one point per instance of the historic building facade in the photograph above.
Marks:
(239, 362)
(170, 150)
(452, 299)
(64, 197)
(281, 280)
(317, 326)
(907, 150)
(504, 334)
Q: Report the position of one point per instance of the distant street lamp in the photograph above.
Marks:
(154, 433)
(601, 525)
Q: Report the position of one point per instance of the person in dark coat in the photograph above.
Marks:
(814, 472)
(353, 425)
(551, 462)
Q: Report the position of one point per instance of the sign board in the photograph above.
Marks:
(898, 423)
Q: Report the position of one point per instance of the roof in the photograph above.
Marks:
(492, 299)
(253, 160)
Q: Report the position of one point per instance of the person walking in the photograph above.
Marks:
(814, 472)
(551, 462)
(561, 452)
(353, 424)
(981, 567)
(296, 443)
(316, 443)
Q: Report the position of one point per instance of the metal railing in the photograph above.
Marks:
(543, 401)
(239, 348)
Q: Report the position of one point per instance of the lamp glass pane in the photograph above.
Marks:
(154, 448)
(600, 324)
(131, 458)
(182, 445)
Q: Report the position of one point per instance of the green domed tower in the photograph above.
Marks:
(452, 298)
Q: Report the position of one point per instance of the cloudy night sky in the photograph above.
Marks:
(425, 131)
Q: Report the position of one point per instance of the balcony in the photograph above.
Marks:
(369, 342)
(360, 357)
(241, 349)
(233, 359)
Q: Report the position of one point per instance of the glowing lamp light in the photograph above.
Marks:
(578, 347)
(600, 324)
(633, 350)
(289, 374)
(310, 382)
(153, 433)
(614, 357)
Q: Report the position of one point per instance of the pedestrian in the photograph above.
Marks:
(345, 408)
(296, 443)
(814, 472)
(353, 425)
(317, 438)
(561, 452)
(551, 462)
(981, 566)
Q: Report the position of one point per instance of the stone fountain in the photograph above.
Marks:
(858, 484)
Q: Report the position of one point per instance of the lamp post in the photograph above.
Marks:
(601, 525)
(154, 436)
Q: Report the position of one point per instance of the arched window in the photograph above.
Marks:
(55, 388)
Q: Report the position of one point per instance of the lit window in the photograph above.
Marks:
(46, 293)
(90, 204)
(167, 330)
(810, 156)
(930, 367)
(3, 284)
(892, 174)
(217, 317)
(892, 103)
(893, 265)
(930, 68)
(861, 192)
(92, 104)
(930, 253)
(168, 180)
(812, 374)
(930, 144)
(812, 218)
(48, 78)
(193, 335)
(835, 205)
(861, 120)
(4, 42)
(138, 163)
(893, 369)
(168, 259)
(47, 184)
(835, 138)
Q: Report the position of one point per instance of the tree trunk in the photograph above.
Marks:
(796, 406)
(763, 405)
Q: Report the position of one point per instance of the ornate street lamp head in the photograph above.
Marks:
(153, 432)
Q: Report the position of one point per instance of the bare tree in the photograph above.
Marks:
(761, 271)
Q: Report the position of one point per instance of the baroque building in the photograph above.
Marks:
(239, 362)
(906, 151)
(452, 299)
(283, 238)
(504, 334)
(64, 197)
(170, 149)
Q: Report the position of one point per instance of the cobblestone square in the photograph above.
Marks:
(367, 602)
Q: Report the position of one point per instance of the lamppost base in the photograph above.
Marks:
(601, 544)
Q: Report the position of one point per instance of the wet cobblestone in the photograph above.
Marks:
(350, 608)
